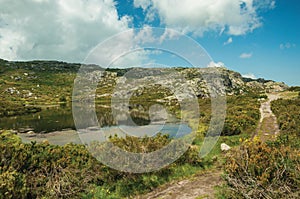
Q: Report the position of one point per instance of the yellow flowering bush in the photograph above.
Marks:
(260, 170)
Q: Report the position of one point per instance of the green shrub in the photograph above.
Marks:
(42, 170)
(50, 171)
(13, 108)
(271, 169)
(288, 119)
(242, 115)
(258, 170)
(63, 99)
(294, 88)
(13, 184)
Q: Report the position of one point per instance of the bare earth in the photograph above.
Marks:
(200, 186)
(268, 127)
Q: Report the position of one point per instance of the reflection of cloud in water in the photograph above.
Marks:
(94, 134)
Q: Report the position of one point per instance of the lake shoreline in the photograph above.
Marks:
(65, 136)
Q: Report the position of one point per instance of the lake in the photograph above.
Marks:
(56, 125)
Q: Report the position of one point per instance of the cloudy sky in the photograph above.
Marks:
(258, 38)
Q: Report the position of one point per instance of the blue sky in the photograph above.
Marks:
(271, 51)
(275, 47)
(258, 38)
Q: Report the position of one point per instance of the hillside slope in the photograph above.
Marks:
(51, 82)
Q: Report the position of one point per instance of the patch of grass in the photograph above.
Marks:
(267, 129)
(289, 94)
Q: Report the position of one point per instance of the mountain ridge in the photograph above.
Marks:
(33, 82)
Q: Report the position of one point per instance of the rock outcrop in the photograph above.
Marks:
(181, 83)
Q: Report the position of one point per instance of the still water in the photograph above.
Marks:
(56, 125)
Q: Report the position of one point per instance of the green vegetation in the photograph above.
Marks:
(36, 83)
(12, 108)
(42, 170)
(242, 114)
(261, 170)
(289, 95)
(294, 88)
(287, 113)
(267, 170)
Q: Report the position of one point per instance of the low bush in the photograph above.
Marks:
(288, 119)
(260, 170)
(41, 170)
(242, 115)
(45, 170)
(267, 170)
(8, 109)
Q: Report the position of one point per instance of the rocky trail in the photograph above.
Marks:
(202, 185)
(267, 128)
(199, 186)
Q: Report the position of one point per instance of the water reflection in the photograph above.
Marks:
(61, 118)
(59, 122)
(48, 120)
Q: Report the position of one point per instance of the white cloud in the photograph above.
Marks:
(125, 50)
(235, 17)
(145, 35)
(287, 45)
(144, 4)
(249, 75)
(169, 34)
(273, 5)
(216, 64)
(246, 55)
(56, 29)
(229, 41)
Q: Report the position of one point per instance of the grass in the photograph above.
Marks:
(267, 129)
(289, 95)
(268, 168)
(54, 86)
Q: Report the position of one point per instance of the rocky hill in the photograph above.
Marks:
(40, 82)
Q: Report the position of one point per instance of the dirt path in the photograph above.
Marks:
(200, 186)
(267, 128)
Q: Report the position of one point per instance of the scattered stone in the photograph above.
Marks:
(225, 147)
(158, 114)
(12, 90)
(14, 132)
(18, 78)
(67, 129)
(93, 128)
(25, 130)
(31, 134)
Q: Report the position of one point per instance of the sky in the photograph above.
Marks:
(258, 38)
